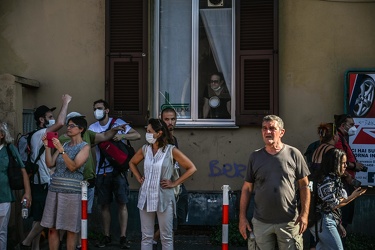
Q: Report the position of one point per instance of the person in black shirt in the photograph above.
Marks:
(217, 100)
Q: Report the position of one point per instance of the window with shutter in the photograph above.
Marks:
(192, 39)
(257, 60)
(126, 59)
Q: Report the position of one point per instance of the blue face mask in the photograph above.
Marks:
(50, 123)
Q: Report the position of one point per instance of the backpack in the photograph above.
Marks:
(14, 171)
(116, 152)
(24, 148)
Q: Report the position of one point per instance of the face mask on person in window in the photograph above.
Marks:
(217, 89)
(99, 114)
(150, 138)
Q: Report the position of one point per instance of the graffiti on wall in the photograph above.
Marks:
(229, 170)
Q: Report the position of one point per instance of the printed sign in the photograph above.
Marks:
(360, 105)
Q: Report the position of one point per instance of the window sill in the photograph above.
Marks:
(206, 125)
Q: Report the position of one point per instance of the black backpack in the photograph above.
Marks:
(14, 171)
(24, 148)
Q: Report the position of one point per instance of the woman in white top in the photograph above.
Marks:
(156, 194)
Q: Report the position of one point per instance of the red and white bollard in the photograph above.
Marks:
(84, 185)
(225, 230)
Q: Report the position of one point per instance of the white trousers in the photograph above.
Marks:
(165, 220)
(4, 220)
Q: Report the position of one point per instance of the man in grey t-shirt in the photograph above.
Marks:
(275, 174)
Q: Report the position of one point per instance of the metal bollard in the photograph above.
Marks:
(84, 246)
(225, 231)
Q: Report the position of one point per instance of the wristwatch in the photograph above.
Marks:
(63, 152)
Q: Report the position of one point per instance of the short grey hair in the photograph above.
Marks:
(275, 118)
(4, 130)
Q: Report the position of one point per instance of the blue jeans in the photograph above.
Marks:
(90, 199)
(329, 238)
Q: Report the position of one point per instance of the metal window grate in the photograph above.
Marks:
(28, 120)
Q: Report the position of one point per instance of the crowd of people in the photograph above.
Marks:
(277, 178)
(53, 193)
(282, 183)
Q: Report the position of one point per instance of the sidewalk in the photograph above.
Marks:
(182, 242)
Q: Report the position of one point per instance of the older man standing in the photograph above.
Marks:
(275, 173)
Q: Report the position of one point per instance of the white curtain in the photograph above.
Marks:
(218, 26)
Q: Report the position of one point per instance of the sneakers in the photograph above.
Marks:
(104, 241)
(124, 243)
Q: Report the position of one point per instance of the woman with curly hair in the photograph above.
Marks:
(156, 195)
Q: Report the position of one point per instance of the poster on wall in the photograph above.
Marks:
(360, 91)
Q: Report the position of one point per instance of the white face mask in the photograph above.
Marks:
(216, 89)
(50, 123)
(352, 131)
(150, 138)
(99, 114)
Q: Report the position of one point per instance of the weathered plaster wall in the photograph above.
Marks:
(319, 41)
(10, 105)
(61, 44)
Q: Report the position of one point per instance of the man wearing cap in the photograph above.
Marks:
(45, 123)
(109, 181)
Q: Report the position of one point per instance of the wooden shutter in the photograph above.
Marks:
(257, 60)
(126, 59)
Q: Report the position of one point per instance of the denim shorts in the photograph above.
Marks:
(110, 184)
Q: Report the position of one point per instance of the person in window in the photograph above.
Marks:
(216, 98)
(332, 196)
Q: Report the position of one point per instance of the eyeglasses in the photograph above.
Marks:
(70, 126)
(214, 81)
